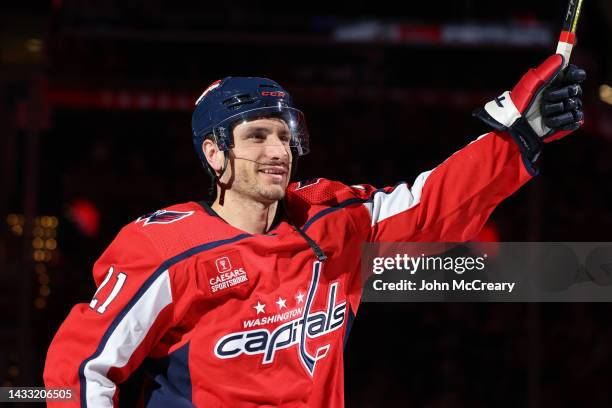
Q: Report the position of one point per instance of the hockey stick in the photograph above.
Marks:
(567, 39)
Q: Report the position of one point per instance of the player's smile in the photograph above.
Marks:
(275, 174)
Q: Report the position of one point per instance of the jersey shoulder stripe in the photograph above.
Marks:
(385, 203)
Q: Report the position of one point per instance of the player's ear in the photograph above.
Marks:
(214, 156)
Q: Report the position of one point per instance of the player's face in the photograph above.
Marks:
(261, 159)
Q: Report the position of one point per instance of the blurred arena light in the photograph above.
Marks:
(15, 223)
(43, 247)
(34, 45)
(605, 94)
(44, 242)
(86, 216)
(489, 233)
(532, 34)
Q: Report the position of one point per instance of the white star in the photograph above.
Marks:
(259, 307)
(300, 297)
(281, 303)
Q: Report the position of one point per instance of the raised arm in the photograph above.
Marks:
(453, 201)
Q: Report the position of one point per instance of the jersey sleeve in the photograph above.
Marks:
(102, 342)
(450, 203)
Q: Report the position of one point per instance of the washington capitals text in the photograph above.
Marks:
(294, 332)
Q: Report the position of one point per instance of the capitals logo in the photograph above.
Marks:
(163, 217)
(292, 333)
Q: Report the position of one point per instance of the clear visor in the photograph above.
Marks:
(292, 128)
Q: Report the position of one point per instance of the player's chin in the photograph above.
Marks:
(274, 182)
(273, 192)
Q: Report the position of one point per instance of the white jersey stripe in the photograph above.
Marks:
(124, 341)
(384, 205)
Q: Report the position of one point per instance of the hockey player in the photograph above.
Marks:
(247, 301)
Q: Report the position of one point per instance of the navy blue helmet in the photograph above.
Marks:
(231, 100)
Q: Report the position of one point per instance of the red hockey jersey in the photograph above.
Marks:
(218, 317)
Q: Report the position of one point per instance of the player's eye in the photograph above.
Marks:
(257, 136)
(285, 137)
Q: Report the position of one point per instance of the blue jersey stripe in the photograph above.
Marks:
(172, 386)
(343, 204)
(330, 210)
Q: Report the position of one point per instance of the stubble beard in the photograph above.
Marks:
(247, 183)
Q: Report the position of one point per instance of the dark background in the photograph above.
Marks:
(95, 110)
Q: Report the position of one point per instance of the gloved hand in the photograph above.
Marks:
(544, 106)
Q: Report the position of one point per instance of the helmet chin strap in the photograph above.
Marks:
(260, 163)
(294, 162)
(214, 179)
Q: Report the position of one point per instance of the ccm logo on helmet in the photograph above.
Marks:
(273, 93)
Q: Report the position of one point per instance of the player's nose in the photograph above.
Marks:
(276, 148)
